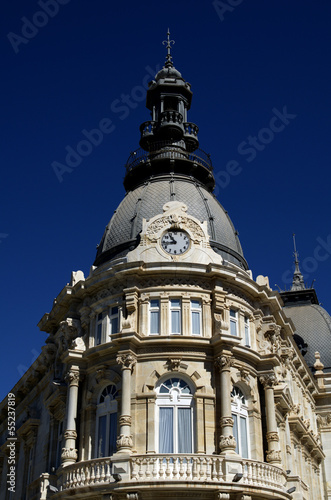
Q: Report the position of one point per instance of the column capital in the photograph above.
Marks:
(127, 361)
(224, 362)
(72, 377)
(268, 380)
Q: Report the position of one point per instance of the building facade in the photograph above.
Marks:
(169, 372)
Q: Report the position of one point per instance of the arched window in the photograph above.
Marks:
(107, 422)
(240, 417)
(175, 416)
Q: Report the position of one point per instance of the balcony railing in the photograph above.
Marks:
(165, 149)
(153, 468)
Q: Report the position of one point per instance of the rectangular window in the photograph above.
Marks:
(101, 327)
(184, 430)
(247, 334)
(235, 431)
(175, 316)
(233, 322)
(243, 437)
(114, 320)
(196, 317)
(102, 431)
(154, 317)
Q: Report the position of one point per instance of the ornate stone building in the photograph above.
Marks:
(169, 372)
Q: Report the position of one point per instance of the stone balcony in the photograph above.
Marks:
(212, 473)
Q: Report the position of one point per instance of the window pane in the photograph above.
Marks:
(175, 321)
(235, 431)
(243, 437)
(112, 433)
(166, 430)
(195, 323)
(154, 303)
(114, 325)
(175, 302)
(102, 436)
(99, 333)
(233, 328)
(184, 430)
(154, 327)
(114, 310)
(232, 313)
(247, 339)
(195, 304)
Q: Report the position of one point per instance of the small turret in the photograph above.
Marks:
(169, 142)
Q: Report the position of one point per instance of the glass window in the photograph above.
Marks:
(175, 417)
(196, 317)
(113, 320)
(233, 322)
(175, 316)
(154, 317)
(101, 328)
(240, 418)
(247, 332)
(107, 422)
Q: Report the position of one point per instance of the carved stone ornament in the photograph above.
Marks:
(69, 454)
(273, 456)
(174, 364)
(72, 377)
(127, 361)
(125, 420)
(132, 496)
(269, 380)
(224, 362)
(272, 436)
(288, 449)
(226, 422)
(244, 376)
(227, 443)
(78, 344)
(124, 442)
(70, 434)
(296, 409)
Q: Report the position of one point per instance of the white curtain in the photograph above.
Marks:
(195, 323)
(184, 430)
(243, 437)
(154, 322)
(166, 430)
(235, 431)
(175, 321)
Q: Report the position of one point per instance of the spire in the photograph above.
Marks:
(297, 283)
(168, 43)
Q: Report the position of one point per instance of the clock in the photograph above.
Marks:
(175, 242)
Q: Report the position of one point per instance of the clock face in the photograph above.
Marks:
(175, 242)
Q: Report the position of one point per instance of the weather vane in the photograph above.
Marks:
(168, 43)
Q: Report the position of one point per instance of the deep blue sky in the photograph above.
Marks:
(260, 57)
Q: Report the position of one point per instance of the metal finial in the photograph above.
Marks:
(298, 282)
(168, 43)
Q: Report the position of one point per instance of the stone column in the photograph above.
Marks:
(69, 452)
(227, 442)
(124, 440)
(273, 453)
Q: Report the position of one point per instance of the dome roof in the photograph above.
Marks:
(169, 72)
(147, 200)
(313, 324)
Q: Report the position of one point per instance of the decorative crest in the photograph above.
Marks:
(168, 42)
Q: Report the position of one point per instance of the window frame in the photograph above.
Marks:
(154, 309)
(175, 309)
(195, 310)
(111, 317)
(247, 331)
(176, 400)
(109, 406)
(239, 408)
(234, 321)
